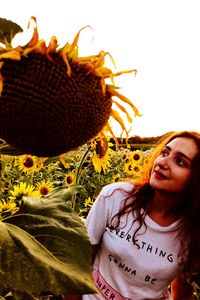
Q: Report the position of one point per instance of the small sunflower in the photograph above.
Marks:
(101, 159)
(43, 188)
(23, 189)
(88, 202)
(137, 156)
(7, 208)
(27, 163)
(116, 177)
(127, 160)
(47, 94)
(128, 168)
(124, 154)
(136, 169)
(70, 179)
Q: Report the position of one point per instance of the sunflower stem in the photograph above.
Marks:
(80, 165)
(73, 202)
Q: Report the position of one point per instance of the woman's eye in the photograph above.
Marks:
(181, 162)
(164, 153)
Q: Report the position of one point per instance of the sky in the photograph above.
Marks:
(158, 38)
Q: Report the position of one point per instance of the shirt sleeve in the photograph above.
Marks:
(104, 208)
(97, 218)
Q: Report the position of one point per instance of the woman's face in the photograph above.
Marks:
(171, 170)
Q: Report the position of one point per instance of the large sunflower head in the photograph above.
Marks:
(52, 100)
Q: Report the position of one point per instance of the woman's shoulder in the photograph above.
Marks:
(118, 187)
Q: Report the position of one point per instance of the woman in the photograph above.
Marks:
(145, 235)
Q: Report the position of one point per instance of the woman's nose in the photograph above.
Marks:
(164, 162)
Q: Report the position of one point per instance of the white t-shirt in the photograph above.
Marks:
(123, 269)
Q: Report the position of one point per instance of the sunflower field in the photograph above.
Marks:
(85, 170)
(26, 188)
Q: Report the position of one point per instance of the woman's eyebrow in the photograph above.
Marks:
(180, 153)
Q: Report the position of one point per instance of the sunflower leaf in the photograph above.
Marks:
(8, 30)
(45, 247)
(65, 193)
(6, 149)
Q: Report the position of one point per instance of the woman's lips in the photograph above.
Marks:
(160, 175)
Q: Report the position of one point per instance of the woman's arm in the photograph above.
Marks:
(181, 289)
(95, 249)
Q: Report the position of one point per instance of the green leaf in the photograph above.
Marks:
(65, 193)
(6, 149)
(45, 247)
(8, 30)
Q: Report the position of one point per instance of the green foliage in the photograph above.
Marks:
(48, 241)
(8, 30)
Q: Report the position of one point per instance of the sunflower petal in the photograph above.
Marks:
(117, 117)
(35, 36)
(75, 41)
(113, 92)
(40, 46)
(124, 110)
(53, 44)
(14, 55)
(109, 129)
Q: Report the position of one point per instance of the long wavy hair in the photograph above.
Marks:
(142, 192)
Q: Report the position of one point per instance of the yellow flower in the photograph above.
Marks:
(124, 154)
(137, 156)
(133, 169)
(21, 190)
(136, 169)
(116, 177)
(101, 159)
(88, 202)
(70, 179)
(64, 162)
(128, 168)
(7, 161)
(27, 163)
(7, 208)
(41, 162)
(43, 188)
(101, 163)
(55, 92)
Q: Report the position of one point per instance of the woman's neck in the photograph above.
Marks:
(165, 208)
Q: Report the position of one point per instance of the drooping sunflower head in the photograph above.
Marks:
(100, 159)
(51, 100)
(101, 146)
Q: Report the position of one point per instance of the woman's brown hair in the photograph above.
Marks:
(190, 209)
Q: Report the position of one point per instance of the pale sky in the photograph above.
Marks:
(158, 38)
